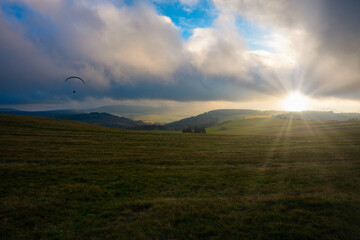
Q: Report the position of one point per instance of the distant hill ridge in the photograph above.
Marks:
(211, 118)
(319, 116)
(207, 119)
(101, 119)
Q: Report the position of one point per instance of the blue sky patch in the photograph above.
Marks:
(14, 10)
(187, 18)
(254, 35)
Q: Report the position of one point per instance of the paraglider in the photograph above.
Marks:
(74, 77)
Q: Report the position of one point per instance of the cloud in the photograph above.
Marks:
(122, 52)
(130, 51)
(131, 45)
(219, 51)
(96, 38)
(189, 2)
(23, 65)
(323, 37)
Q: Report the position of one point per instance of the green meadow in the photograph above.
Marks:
(285, 127)
(246, 179)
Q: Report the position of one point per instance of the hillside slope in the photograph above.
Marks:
(223, 116)
(211, 118)
(318, 116)
(289, 127)
(102, 119)
(69, 180)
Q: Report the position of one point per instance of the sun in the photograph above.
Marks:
(295, 102)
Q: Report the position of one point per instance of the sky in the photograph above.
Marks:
(194, 55)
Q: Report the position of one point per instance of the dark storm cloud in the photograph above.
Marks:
(41, 43)
(123, 53)
(131, 52)
(338, 36)
(325, 36)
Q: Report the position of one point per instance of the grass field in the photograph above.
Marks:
(285, 127)
(68, 180)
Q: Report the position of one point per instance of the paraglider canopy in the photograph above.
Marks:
(74, 77)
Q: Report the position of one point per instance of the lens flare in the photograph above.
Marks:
(295, 102)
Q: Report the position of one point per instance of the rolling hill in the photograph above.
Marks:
(102, 119)
(227, 117)
(319, 116)
(148, 114)
(209, 119)
(290, 127)
(212, 119)
(63, 179)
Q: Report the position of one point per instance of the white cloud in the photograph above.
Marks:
(130, 45)
(105, 42)
(219, 50)
(189, 2)
(312, 46)
(320, 38)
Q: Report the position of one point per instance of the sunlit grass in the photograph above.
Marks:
(292, 127)
(67, 180)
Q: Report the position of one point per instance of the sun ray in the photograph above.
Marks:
(307, 125)
(276, 143)
(295, 102)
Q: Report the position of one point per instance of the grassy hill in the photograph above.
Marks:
(211, 118)
(319, 116)
(69, 180)
(218, 117)
(101, 119)
(285, 127)
(150, 115)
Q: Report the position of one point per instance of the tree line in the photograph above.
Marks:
(195, 130)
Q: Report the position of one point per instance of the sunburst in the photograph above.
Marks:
(295, 102)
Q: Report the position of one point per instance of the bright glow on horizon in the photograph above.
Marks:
(295, 102)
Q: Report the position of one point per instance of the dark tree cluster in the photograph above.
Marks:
(196, 130)
(187, 130)
(199, 130)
